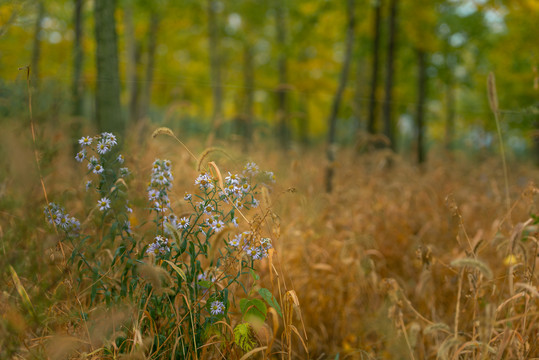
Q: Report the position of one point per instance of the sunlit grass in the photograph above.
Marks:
(398, 262)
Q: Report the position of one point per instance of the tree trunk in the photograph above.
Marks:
(304, 118)
(390, 73)
(282, 89)
(215, 65)
(248, 84)
(358, 98)
(421, 97)
(373, 108)
(77, 85)
(332, 119)
(36, 46)
(108, 110)
(150, 64)
(450, 113)
(132, 50)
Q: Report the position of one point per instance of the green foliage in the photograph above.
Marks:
(253, 310)
(243, 337)
(270, 299)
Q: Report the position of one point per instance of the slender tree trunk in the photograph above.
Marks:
(150, 64)
(36, 46)
(535, 139)
(133, 57)
(450, 113)
(390, 73)
(215, 64)
(282, 64)
(332, 119)
(77, 85)
(248, 84)
(358, 95)
(373, 108)
(108, 110)
(421, 97)
(304, 118)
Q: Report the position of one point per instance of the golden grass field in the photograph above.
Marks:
(399, 262)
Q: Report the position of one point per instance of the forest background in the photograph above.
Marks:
(275, 67)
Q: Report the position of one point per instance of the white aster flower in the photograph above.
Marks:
(120, 159)
(235, 241)
(103, 204)
(153, 194)
(218, 226)
(110, 139)
(245, 187)
(208, 209)
(250, 169)
(271, 176)
(81, 155)
(204, 182)
(232, 178)
(98, 169)
(85, 140)
(183, 223)
(217, 307)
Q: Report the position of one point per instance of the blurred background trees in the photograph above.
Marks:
(251, 69)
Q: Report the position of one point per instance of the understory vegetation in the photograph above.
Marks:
(187, 252)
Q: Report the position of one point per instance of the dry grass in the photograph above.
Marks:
(398, 262)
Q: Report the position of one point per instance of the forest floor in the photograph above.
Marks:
(397, 262)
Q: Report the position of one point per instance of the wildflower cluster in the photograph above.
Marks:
(202, 260)
(57, 215)
(93, 150)
(160, 183)
(254, 249)
(159, 246)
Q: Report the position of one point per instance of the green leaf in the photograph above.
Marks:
(253, 308)
(177, 269)
(22, 292)
(243, 337)
(270, 299)
(205, 283)
(254, 274)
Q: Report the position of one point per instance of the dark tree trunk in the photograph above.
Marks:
(150, 64)
(77, 85)
(535, 139)
(108, 110)
(282, 89)
(332, 119)
(390, 73)
(304, 118)
(450, 113)
(132, 49)
(373, 108)
(421, 97)
(215, 64)
(36, 46)
(248, 84)
(358, 95)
